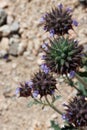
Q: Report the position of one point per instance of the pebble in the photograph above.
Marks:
(3, 53)
(21, 48)
(5, 31)
(13, 40)
(3, 17)
(14, 27)
(13, 49)
(10, 19)
(4, 44)
(14, 65)
(4, 4)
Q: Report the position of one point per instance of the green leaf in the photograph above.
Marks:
(81, 87)
(55, 126)
(83, 74)
(31, 103)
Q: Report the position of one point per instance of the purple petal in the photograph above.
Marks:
(60, 6)
(72, 74)
(43, 57)
(63, 116)
(35, 93)
(44, 46)
(45, 68)
(69, 10)
(75, 23)
(42, 20)
(30, 83)
(17, 91)
(52, 32)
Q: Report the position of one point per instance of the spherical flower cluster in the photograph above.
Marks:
(63, 55)
(41, 84)
(58, 21)
(76, 112)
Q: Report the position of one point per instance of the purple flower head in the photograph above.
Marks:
(17, 91)
(30, 83)
(45, 68)
(45, 28)
(60, 6)
(69, 10)
(42, 19)
(52, 92)
(35, 93)
(75, 23)
(44, 46)
(43, 57)
(72, 74)
(52, 32)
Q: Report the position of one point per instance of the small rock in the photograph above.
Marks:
(14, 39)
(4, 4)
(5, 31)
(4, 44)
(22, 47)
(3, 53)
(14, 65)
(9, 19)
(14, 27)
(7, 92)
(13, 50)
(3, 17)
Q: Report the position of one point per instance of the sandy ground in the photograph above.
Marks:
(14, 112)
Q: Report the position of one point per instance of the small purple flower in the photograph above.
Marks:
(75, 23)
(17, 91)
(35, 93)
(60, 6)
(30, 83)
(44, 46)
(64, 116)
(45, 28)
(42, 19)
(43, 57)
(69, 10)
(45, 68)
(72, 74)
(52, 32)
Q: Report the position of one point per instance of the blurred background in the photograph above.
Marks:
(21, 35)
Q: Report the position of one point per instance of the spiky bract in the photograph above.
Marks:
(58, 21)
(76, 112)
(63, 55)
(44, 83)
(24, 90)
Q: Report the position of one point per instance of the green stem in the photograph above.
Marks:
(71, 82)
(81, 80)
(52, 106)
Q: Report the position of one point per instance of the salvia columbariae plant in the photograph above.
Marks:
(64, 57)
(58, 21)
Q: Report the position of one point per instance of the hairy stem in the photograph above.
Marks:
(40, 102)
(73, 85)
(53, 107)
